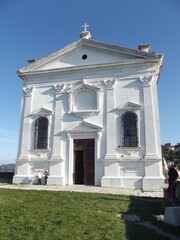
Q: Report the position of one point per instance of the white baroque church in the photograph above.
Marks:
(90, 116)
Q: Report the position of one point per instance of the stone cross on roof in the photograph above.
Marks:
(85, 26)
(85, 33)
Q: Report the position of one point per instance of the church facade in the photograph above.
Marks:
(90, 116)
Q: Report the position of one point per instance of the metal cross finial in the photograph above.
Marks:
(85, 26)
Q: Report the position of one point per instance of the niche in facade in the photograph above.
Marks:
(83, 100)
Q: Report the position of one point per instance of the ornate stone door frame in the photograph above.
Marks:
(70, 163)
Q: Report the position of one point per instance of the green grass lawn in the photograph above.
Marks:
(71, 215)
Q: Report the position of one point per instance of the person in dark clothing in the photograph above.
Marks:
(46, 174)
(173, 175)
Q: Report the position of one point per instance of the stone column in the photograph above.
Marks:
(153, 178)
(56, 146)
(70, 161)
(56, 164)
(110, 160)
(98, 145)
(24, 141)
(98, 92)
(70, 98)
(149, 119)
(110, 121)
(22, 163)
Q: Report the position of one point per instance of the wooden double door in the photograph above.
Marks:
(84, 161)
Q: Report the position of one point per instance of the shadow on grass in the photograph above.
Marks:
(147, 209)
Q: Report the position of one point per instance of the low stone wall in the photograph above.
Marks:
(6, 177)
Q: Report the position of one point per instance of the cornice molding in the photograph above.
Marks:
(23, 74)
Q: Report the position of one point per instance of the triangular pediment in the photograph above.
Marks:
(41, 112)
(83, 127)
(87, 52)
(83, 86)
(129, 106)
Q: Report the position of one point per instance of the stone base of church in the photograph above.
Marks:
(145, 184)
(153, 183)
(21, 179)
(55, 180)
(52, 180)
(122, 182)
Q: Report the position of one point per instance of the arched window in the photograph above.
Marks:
(41, 133)
(129, 130)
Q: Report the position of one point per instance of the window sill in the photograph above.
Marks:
(85, 113)
(40, 150)
(129, 148)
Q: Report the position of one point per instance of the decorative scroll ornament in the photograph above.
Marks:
(28, 91)
(110, 83)
(146, 81)
(59, 87)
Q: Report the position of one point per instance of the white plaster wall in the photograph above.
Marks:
(131, 168)
(42, 98)
(128, 90)
(23, 168)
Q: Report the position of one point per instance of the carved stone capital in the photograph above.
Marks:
(59, 88)
(146, 81)
(28, 91)
(109, 83)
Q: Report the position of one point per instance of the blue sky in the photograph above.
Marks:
(36, 28)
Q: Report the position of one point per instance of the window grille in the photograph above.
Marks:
(129, 130)
(41, 133)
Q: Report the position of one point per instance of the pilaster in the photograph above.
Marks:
(25, 131)
(110, 120)
(149, 119)
(56, 147)
(70, 162)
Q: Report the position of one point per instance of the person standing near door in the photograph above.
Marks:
(39, 178)
(46, 174)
